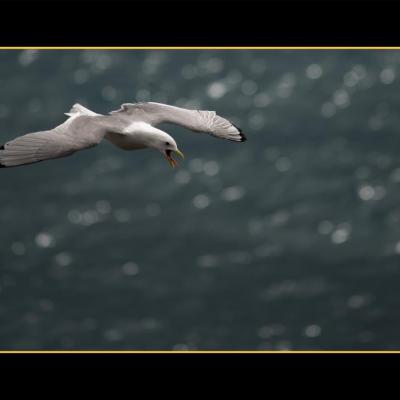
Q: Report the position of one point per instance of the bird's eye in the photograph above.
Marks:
(167, 143)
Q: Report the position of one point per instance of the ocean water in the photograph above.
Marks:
(290, 240)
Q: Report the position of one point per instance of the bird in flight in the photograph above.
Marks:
(131, 127)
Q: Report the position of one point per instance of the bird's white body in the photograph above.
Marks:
(131, 127)
(126, 142)
(137, 135)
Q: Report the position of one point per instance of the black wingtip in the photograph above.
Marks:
(243, 138)
(2, 165)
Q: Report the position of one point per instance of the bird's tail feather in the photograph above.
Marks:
(79, 109)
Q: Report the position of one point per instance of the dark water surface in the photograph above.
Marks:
(288, 241)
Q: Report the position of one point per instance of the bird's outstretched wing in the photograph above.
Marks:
(77, 133)
(195, 120)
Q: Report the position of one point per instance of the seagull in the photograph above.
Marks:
(131, 127)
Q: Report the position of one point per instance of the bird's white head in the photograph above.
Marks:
(163, 142)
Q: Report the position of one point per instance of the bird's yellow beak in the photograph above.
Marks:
(177, 151)
(173, 163)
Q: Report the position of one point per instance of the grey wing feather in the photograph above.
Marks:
(75, 134)
(195, 120)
